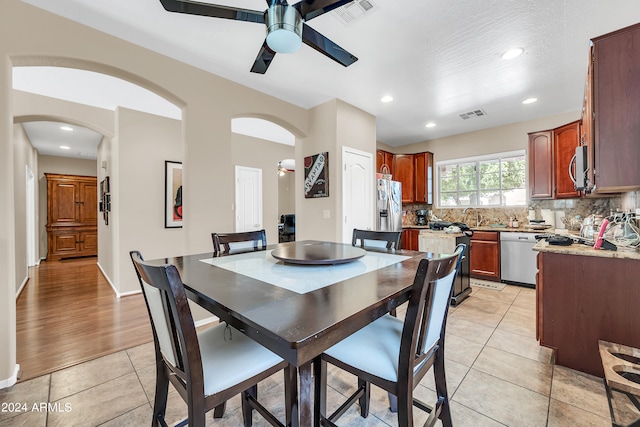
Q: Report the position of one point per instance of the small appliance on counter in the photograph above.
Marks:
(422, 217)
(439, 225)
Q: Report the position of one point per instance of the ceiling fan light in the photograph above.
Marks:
(284, 29)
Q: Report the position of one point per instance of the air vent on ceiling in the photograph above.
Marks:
(474, 113)
(354, 10)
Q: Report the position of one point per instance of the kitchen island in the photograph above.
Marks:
(584, 295)
(440, 242)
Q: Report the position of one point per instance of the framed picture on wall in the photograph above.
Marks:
(172, 194)
(316, 176)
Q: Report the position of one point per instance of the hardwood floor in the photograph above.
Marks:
(68, 314)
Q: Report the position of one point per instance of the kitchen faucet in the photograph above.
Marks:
(477, 214)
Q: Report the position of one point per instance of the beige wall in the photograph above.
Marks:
(144, 143)
(487, 141)
(8, 367)
(24, 156)
(332, 125)
(31, 107)
(286, 193)
(62, 165)
(264, 155)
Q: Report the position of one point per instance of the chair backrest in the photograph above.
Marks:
(392, 238)
(226, 242)
(425, 320)
(288, 223)
(174, 332)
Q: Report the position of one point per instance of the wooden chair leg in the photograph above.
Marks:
(405, 407)
(160, 399)
(441, 388)
(247, 410)
(320, 390)
(218, 411)
(365, 398)
(291, 395)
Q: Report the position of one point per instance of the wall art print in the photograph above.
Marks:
(105, 199)
(316, 176)
(172, 194)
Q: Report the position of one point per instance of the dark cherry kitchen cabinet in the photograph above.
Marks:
(541, 165)
(384, 158)
(484, 255)
(403, 171)
(616, 102)
(410, 239)
(423, 168)
(565, 140)
(582, 299)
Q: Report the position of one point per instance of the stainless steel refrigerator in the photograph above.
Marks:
(389, 205)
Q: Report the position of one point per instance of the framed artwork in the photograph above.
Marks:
(105, 199)
(316, 176)
(172, 194)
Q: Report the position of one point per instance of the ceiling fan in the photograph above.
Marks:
(286, 26)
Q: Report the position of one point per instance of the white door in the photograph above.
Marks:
(248, 199)
(357, 192)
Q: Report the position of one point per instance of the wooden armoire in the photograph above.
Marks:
(72, 216)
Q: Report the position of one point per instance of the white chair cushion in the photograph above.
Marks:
(225, 363)
(374, 348)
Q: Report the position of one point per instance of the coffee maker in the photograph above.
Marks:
(422, 217)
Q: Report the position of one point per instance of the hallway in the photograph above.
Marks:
(68, 314)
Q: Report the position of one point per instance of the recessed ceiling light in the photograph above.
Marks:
(386, 98)
(430, 125)
(513, 53)
(64, 147)
(67, 128)
(529, 100)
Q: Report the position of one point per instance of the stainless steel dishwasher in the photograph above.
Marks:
(517, 259)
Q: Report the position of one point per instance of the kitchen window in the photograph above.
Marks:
(493, 180)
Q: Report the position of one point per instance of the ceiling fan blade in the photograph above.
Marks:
(310, 9)
(215, 11)
(325, 46)
(263, 60)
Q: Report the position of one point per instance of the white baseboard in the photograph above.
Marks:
(11, 380)
(24, 282)
(118, 294)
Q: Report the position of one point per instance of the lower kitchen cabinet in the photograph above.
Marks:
(410, 239)
(582, 299)
(484, 255)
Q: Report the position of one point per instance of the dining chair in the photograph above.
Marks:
(209, 367)
(288, 232)
(227, 242)
(398, 353)
(392, 238)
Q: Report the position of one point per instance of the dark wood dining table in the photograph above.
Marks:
(297, 325)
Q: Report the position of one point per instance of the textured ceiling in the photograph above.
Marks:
(437, 58)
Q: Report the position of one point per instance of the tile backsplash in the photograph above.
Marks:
(561, 210)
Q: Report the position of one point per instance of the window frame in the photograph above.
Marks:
(477, 160)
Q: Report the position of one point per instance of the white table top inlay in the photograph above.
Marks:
(260, 265)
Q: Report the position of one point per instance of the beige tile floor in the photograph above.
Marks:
(496, 372)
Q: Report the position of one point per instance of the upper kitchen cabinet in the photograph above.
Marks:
(384, 158)
(403, 171)
(550, 159)
(423, 167)
(565, 141)
(541, 164)
(616, 102)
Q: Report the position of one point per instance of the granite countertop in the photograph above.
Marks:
(489, 228)
(584, 250)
